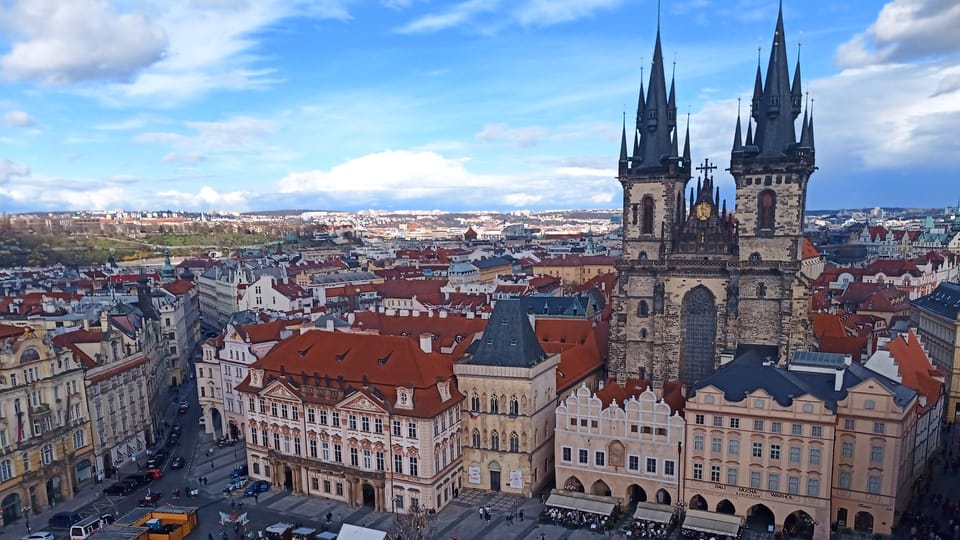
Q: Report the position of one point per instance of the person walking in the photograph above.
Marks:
(520, 514)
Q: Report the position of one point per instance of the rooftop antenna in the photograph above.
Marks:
(674, 73)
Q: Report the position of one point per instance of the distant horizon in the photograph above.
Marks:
(394, 104)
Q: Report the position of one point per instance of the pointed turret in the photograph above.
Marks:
(749, 140)
(672, 103)
(809, 134)
(803, 128)
(737, 138)
(775, 133)
(674, 146)
(686, 145)
(716, 198)
(623, 148)
(757, 92)
(640, 104)
(796, 93)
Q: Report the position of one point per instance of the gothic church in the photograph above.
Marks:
(695, 279)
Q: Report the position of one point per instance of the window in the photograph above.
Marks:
(846, 479)
(758, 404)
(323, 417)
(6, 470)
(295, 412)
(758, 425)
(652, 465)
(793, 485)
(253, 436)
(315, 483)
(79, 441)
(514, 442)
(633, 463)
(758, 449)
(699, 419)
(514, 406)
(398, 463)
(794, 454)
(732, 476)
(773, 482)
(380, 461)
(766, 209)
(878, 428)
(849, 424)
(251, 405)
(582, 457)
(774, 451)
(335, 419)
(876, 454)
(311, 416)
(494, 405)
(733, 447)
(338, 453)
(276, 441)
(643, 309)
(668, 467)
(25, 459)
(378, 425)
(286, 444)
(476, 438)
(495, 441)
(475, 403)
(412, 430)
(718, 421)
(816, 431)
(776, 427)
(698, 471)
(283, 410)
(313, 448)
(566, 454)
(339, 489)
(808, 407)
(414, 466)
(716, 445)
(273, 409)
(815, 454)
(47, 454)
(755, 479)
(365, 423)
(396, 428)
(647, 224)
(796, 429)
(698, 442)
(813, 487)
(869, 405)
(715, 473)
(735, 423)
(600, 458)
(846, 449)
(354, 457)
(296, 446)
(352, 421)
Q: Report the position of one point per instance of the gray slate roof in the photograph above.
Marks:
(509, 339)
(559, 306)
(943, 301)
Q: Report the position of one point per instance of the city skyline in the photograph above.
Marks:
(481, 104)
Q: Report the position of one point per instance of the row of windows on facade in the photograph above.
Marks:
(814, 455)
(323, 417)
(131, 375)
(634, 428)
(47, 456)
(102, 427)
(633, 461)
(513, 410)
(849, 424)
(495, 441)
(756, 480)
(643, 214)
(367, 459)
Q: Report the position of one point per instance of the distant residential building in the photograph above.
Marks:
(179, 309)
(937, 317)
(575, 270)
(275, 294)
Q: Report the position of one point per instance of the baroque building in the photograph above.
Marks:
(696, 279)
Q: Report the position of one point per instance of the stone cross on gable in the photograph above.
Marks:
(707, 168)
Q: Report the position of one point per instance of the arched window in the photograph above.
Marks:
(643, 309)
(514, 442)
(475, 403)
(47, 453)
(761, 290)
(495, 441)
(755, 257)
(476, 438)
(514, 406)
(766, 209)
(494, 405)
(25, 457)
(643, 333)
(6, 470)
(647, 227)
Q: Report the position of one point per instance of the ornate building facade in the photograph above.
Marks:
(697, 280)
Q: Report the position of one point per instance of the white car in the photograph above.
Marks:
(39, 535)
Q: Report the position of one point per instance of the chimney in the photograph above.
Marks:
(443, 314)
(426, 342)
(329, 325)
(838, 379)
(104, 321)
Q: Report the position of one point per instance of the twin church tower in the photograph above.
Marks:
(696, 279)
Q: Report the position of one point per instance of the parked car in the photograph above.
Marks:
(155, 473)
(235, 484)
(150, 500)
(239, 471)
(157, 460)
(177, 429)
(39, 535)
(256, 487)
(173, 439)
(135, 480)
(117, 490)
(177, 462)
(182, 409)
(62, 520)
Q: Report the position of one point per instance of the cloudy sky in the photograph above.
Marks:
(456, 105)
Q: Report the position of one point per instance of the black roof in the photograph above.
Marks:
(560, 306)
(943, 301)
(509, 339)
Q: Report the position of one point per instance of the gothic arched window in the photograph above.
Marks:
(514, 406)
(495, 441)
(643, 309)
(647, 227)
(514, 442)
(475, 403)
(494, 405)
(476, 438)
(766, 209)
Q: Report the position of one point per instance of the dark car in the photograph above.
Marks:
(177, 462)
(239, 471)
(118, 489)
(257, 487)
(135, 480)
(62, 520)
(144, 477)
(157, 460)
(173, 439)
(177, 429)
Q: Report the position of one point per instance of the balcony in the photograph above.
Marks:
(335, 468)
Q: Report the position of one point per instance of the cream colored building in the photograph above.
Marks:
(45, 444)
(209, 387)
(364, 419)
(937, 316)
(623, 442)
(509, 415)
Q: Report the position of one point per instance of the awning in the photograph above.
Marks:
(591, 504)
(712, 522)
(657, 513)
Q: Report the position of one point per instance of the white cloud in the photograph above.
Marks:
(57, 43)
(905, 30)
(523, 137)
(207, 197)
(547, 12)
(525, 13)
(452, 16)
(9, 170)
(18, 119)
(236, 133)
(187, 158)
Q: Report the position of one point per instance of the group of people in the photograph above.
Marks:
(934, 512)
(690, 534)
(649, 529)
(576, 518)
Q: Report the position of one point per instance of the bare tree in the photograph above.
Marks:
(417, 524)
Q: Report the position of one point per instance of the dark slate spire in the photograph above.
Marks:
(686, 145)
(757, 91)
(655, 141)
(749, 140)
(775, 130)
(623, 147)
(808, 134)
(509, 339)
(803, 128)
(672, 101)
(674, 145)
(796, 93)
(737, 134)
(640, 103)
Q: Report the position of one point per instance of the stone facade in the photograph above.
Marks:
(695, 280)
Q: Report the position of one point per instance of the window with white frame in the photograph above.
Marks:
(633, 463)
(651, 465)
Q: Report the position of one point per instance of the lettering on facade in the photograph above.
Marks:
(749, 491)
(719, 486)
(778, 495)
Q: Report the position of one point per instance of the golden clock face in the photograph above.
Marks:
(703, 210)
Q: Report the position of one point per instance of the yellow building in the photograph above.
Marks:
(46, 447)
(576, 270)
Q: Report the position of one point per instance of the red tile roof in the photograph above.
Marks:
(915, 368)
(179, 287)
(809, 251)
(69, 340)
(402, 288)
(446, 329)
(612, 391)
(892, 267)
(7, 331)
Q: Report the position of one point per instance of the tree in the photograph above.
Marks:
(417, 524)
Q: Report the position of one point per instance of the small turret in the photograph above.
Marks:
(686, 145)
(796, 93)
(737, 138)
(623, 148)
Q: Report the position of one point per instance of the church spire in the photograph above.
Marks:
(757, 91)
(749, 140)
(808, 133)
(656, 143)
(640, 102)
(737, 133)
(623, 147)
(686, 145)
(796, 92)
(775, 133)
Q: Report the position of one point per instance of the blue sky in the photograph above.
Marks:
(424, 104)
